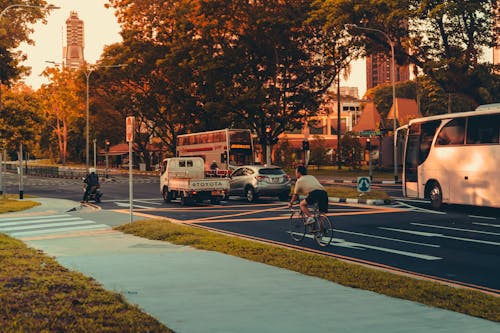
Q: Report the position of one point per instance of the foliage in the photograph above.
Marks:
(10, 204)
(15, 27)
(319, 152)
(352, 275)
(62, 106)
(350, 151)
(19, 119)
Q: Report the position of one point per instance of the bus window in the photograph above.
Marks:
(428, 131)
(483, 129)
(453, 133)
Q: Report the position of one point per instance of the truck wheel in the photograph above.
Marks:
(250, 194)
(167, 196)
(184, 200)
(215, 201)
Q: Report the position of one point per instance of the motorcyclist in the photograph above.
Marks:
(92, 181)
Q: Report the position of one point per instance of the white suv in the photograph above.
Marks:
(252, 181)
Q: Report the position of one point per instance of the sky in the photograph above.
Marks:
(100, 29)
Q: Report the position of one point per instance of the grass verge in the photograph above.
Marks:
(352, 193)
(9, 203)
(39, 295)
(461, 300)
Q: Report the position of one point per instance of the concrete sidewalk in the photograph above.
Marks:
(193, 291)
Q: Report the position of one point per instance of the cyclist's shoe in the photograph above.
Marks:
(310, 220)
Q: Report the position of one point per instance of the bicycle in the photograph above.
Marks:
(321, 230)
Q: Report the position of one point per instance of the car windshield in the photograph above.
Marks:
(271, 171)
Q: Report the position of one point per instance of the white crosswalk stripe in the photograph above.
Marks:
(50, 224)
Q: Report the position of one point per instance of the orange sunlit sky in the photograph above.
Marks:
(101, 28)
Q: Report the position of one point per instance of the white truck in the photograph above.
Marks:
(184, 178)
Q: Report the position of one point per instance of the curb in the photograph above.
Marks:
(373, 202)
(344, 181)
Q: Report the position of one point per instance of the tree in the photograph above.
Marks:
(15, 28)
(444, 38)
(319, 152)
(62, 106)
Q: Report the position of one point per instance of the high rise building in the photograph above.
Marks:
(496, 32)
(73, 52)
(378, 70)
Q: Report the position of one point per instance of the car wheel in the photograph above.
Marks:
(435, 195)
(250, 194)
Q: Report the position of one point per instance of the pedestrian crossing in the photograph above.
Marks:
(29, 226)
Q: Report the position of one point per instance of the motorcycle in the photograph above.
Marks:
(95, 193)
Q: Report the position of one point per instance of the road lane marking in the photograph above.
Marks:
(488, 224)
(119, 204)
(44, 225)
(36, 221)
(418, 209)
(428, 234)
(457, 229)
(55, 230)
(9, 219)
(385, 238)
(338, 242)
(483, 217)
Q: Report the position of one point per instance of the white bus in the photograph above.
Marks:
(454, 158)
(225, 148)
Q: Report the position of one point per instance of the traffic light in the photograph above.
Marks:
(305, 145)
(107, 144)
(368, 144)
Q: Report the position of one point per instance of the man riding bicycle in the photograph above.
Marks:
(315, 193)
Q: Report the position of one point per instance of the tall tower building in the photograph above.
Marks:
(378, 70)
(73, 52)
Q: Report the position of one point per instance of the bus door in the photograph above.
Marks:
(418, 147)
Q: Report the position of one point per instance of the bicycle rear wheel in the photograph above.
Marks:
(325, 235)
(297, 226)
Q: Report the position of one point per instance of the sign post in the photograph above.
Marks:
(363, 184)
(129, 125)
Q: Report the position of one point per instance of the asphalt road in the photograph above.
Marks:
(457, 244)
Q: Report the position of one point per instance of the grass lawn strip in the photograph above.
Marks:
(434, 294)
(39, 295)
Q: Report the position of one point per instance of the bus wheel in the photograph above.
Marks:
(436, 195)
(250, 194)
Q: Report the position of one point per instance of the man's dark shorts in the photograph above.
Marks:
(319, 196)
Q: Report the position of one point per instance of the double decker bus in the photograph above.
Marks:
(226, 148)
(454, 158)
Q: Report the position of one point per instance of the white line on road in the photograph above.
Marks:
(359, 246)
(119, 204)
(457, 229)
(56, 230)
(8, 219)
(482, 217)
(488, 224)
(429, 234)
(386, 238)
(45, 225)
(37, 221)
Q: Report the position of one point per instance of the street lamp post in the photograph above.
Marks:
(87, 76)
(25, 6)
(393, 82)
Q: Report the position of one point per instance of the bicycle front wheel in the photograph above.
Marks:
(297, 226)
(325, 235)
